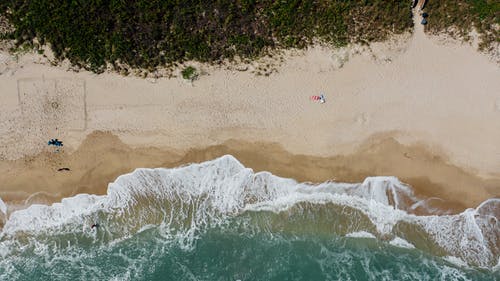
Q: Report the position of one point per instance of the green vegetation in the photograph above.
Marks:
(150, 33)
(460, 16)
(189, 73)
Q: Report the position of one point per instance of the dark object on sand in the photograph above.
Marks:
(424, 21)
(95, 225)
(63, 169)
(55, 142)
(425, 15)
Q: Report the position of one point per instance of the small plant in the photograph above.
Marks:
(189, 73)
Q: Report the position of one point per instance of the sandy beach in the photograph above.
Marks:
(425, 111)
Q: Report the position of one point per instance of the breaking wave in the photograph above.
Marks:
(183, 204)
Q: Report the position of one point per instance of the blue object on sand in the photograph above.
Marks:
(55, 142)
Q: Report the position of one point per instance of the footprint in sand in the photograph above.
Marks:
(362, 119)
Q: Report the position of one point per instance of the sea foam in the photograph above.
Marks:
(3, 207)
(361, 234)
(188, 200)
(400, 242)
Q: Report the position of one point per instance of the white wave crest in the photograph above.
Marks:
(189, 199)
(400, 242)
(473, 235)
(3, 207)
(361, 234)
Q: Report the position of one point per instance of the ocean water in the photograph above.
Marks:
(221, 221)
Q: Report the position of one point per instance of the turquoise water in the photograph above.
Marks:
(220, 221)
(229, 254)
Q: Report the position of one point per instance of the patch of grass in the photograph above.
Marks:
(189, 73)
(145, 34)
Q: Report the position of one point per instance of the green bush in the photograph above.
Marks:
(150, 33)
(189, 73)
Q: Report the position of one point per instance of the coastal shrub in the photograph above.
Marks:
(146, 34)
(189, 73)
(459, 17)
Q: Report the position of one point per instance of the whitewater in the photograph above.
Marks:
(218, 220)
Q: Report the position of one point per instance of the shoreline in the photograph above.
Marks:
(103, 157)
(424, 112)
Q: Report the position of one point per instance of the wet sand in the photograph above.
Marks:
(102, 157)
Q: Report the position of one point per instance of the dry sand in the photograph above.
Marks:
(415, 108)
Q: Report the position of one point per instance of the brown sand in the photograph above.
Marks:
(102, 157)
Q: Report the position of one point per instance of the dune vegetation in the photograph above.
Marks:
(459, 17)
(146, 34)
